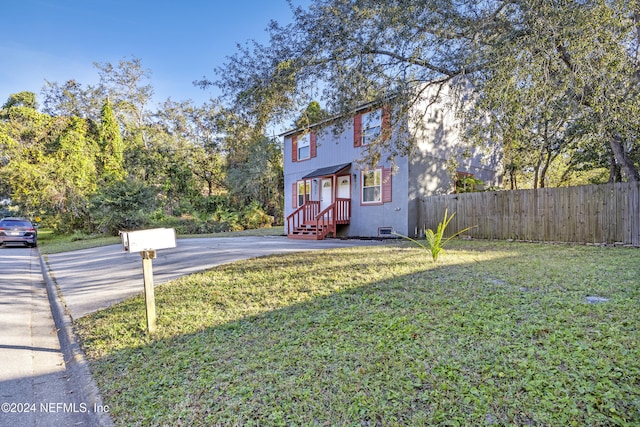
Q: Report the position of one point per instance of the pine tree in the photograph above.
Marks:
(111, 145)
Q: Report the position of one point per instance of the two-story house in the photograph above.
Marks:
(329, 192)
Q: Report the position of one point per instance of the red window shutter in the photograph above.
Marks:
(386, 123)
(386, 185)
(312, 145)
(294, 193)
(357, 130)
(294, 148)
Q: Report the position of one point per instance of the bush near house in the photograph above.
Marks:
(222, 220)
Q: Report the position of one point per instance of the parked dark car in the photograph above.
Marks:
(18, 230)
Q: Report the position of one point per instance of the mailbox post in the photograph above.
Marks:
(147, 242)
(149, 296)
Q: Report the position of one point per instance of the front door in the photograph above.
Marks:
(326, 193)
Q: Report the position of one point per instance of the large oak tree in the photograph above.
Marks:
(566, 63)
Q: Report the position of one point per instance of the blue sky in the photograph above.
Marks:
(178, 40)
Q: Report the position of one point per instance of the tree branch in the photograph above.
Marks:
(414, 61)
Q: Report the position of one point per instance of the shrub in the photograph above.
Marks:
(436, 241)
(191, 225)
(123, 205)
(253, 216)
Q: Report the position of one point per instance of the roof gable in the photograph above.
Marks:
(329, 170)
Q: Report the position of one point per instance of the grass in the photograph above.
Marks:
(51, 243)
(496, 334)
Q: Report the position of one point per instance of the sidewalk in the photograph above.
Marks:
(43, 381)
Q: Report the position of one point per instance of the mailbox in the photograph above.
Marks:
(148, 240)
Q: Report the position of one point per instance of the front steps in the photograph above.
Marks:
(308, 232)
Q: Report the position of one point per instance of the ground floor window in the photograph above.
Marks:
(371, 186)
(304, 192)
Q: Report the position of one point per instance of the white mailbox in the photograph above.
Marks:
(148, 240)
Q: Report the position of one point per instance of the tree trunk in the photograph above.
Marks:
(627, 168)
(614, 170)
(536, 170)
(512, 178)
(545, 168)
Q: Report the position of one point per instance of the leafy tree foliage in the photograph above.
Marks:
(202, 129)
(538, 71)
(123, 205)
(128, 85)
(49, 164)
(255, 175)
(576, 67)
(73, 176)
(22, 99)
(98, 158)
(111, 145)
(72, 99)
(313, 114)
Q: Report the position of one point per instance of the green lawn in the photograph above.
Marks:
(51, 243)
(495, 334)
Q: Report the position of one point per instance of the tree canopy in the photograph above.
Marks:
(549, 78)
(95, 150)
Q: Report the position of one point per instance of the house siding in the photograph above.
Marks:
(438, 154)
(367, 219)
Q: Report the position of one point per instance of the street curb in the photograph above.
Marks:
(87, 390)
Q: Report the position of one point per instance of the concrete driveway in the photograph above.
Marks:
(92, 279)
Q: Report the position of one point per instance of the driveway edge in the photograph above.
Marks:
(75, 361)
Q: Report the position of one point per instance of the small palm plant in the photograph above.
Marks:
(436, 241)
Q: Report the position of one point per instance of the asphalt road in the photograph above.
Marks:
(96, 278)
(36, 388)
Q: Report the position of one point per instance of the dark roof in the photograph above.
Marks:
(329, 170)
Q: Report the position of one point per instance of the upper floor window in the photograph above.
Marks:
(304, 146)
(371, 126)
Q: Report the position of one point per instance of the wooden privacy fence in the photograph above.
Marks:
(608, 213)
